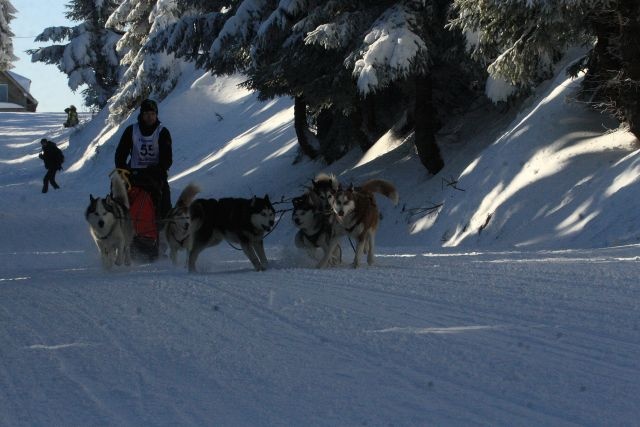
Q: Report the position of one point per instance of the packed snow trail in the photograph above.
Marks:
(493, 338)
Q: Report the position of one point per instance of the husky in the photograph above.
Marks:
(178, 222)
(357, 216)
(325, 187)
(316, 225)
(110, 224)
(236, 220)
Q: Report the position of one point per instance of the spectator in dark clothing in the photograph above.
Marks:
(145, 149)
(72, 117)
(53, 159)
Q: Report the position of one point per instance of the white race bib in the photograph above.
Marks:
(146, 149)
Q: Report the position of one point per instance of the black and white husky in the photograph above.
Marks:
(178, 220)
(314, 217)
(325, 186)
(241, 221)
(315, 222)
(110, 224)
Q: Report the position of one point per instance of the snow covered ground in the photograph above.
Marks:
(516, 303)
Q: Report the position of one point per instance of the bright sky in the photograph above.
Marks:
(48, 85)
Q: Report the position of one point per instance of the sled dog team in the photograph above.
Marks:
(323, 215)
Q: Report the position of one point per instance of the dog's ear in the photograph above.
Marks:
(266, 198)
(313, 198)
(334, 183)
(91, 198)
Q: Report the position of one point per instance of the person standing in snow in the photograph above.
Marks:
(53, 159)
(72, 117)
(145, 150)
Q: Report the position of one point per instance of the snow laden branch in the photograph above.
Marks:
(150, 73)
(520, 41)
(338, 34)
(228, 52)
(391, 51)
(281, 18)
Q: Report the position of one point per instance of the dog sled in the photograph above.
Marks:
(141, 192)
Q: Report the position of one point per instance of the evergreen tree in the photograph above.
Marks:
(398, 52)
(6, 44)
(89, 57)
(282, 64)
(351, 66)
(300, 51)
(190, 37)
(402, 48)
(149, 73)
(522, 40)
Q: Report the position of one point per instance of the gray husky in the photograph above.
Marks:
(110, 224)
(178, 220)
(241, 221)
(316, 226)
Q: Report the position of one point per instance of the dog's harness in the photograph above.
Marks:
(261, 231)
(314, 238)
(108, 234)
(171, 219)
(180, 241)
(109, 208)
(349, 230)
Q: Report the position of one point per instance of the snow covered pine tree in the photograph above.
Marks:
(89, 57)
(6, 44)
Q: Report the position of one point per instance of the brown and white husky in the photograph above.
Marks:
(358, 216)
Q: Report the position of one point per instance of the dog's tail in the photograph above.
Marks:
(119, 190)
(187, 195)
(328, 180)
(383, 187)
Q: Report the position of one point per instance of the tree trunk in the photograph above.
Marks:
(425, 120)
(302, 128)
(356, 120)
(602, 62)
(629, 20)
